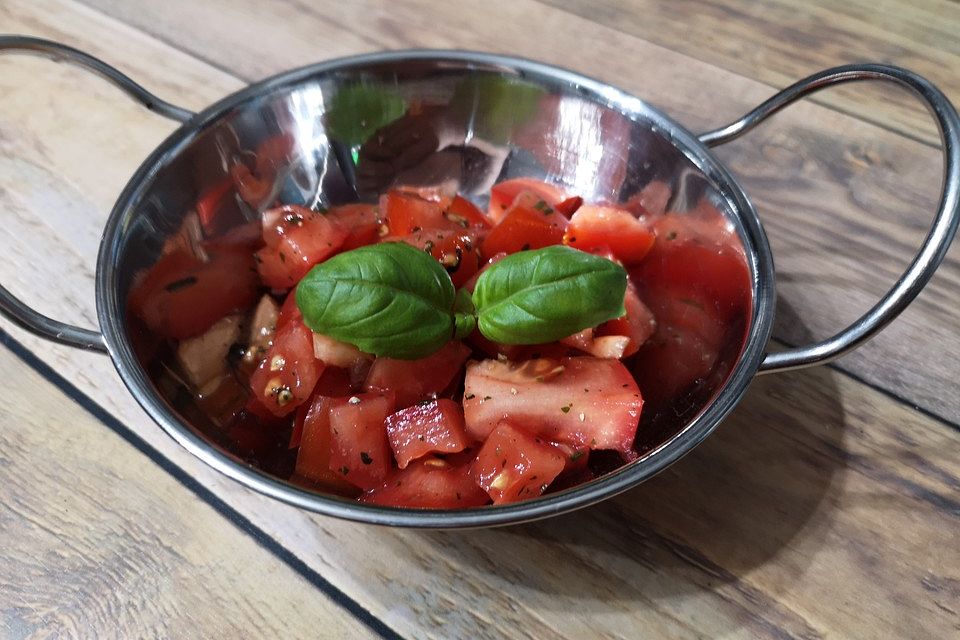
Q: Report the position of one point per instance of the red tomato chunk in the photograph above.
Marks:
(313, 459)
(428, 427)
(596, 228)
(416, 380)
(359, 450)
(513, 465)
(429, 484)
(296, 238)
(286, 376)
(581, 401)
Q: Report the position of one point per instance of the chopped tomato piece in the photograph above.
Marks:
(581, 401)
(416, 380)
(463, 212)
(692, 261)
(297, 238)
(684, 349)
(429, 484)
(525, 226)
(289, 311)
(503, 194)
(289, 371)
(334, 382)
(313, 458)
(406, 213)
(594, 228)
(513, 465)
(637, 325)
(359, 450)
(362, 222)
(455, 250)
(569, 206)
(181, 296)
(435, 426)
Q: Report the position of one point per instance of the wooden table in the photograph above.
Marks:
(827, 505)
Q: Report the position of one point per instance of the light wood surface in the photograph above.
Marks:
(99, 541)
(822, 508)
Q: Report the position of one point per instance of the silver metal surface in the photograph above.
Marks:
(10, 306)
(600, 142)
(464, 120)
(934, 246)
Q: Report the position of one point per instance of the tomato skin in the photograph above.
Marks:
(503, 195)
(695, 257)
(456, 251)
(416, 380)
(361, 222)
(513, 465)
(430, 427)
(684, 349)
(638, 324)
(286, 377)
(547, 397)
(429, 484)
(524, 226)
(359, 451)
(569, 206)
(289, 311)
(297, 239)
(182, 296)
(407, 213)
(313, 458)
(334, 382)
(463, 209)
(597, 228)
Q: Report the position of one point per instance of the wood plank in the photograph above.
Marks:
(100, 542)
(845, 202)
(815, 484)
(779, 41)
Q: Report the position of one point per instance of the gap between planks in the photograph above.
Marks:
(234, 517)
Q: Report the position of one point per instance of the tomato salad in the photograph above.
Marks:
(421, 352)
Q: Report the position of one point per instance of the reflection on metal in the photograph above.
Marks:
(934, 246)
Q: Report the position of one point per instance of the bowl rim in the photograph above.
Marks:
(759, 259)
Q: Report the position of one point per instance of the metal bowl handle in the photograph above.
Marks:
(10, 305)
(934, 246)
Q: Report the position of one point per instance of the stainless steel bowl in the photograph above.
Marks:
(599, 141)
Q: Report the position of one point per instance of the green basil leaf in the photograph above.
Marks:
(359, 109)
(387, 299)
(496, 106)
(465, 315)
(539, 296)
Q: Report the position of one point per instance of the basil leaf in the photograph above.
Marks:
(495, 106)
(465, 315)
(358, 110)
(387, 299)
(539, 296)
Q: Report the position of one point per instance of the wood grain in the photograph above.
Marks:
(821, 508)
(845, 202)
(780, 41)
(99, 542)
